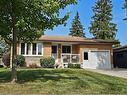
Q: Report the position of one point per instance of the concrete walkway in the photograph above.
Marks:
(114, 72)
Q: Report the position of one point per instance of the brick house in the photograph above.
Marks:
(90, 53)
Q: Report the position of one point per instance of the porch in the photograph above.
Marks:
(66, 54)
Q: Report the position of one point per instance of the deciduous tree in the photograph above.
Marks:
(25, 20)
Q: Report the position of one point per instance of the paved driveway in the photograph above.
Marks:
(114, 72)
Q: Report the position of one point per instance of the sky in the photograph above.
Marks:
(84, 7)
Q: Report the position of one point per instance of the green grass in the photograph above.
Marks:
(60, 82)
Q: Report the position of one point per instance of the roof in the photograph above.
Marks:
(72, 39)
(122, 48)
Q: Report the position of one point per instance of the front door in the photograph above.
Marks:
(55, 53)
(86, 63)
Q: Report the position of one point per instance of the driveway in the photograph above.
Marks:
(114, 72)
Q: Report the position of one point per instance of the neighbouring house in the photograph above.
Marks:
(120, 57)
(90, 53)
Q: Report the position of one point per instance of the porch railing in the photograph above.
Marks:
(70, 58)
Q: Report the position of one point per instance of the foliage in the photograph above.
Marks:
(102, 26)
(4, 47)
(20, 60)
(26, 20)
(77, 27)
(30, 17)
(125, 7)
(47, 62)
(117, 44)
(74, 66)
(6, 59)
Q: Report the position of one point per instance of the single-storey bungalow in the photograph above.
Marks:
(120, 57)
(90, 53)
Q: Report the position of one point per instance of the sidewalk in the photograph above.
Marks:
(114, 72)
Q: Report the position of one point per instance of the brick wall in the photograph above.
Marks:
(32, 60)
(96, 47)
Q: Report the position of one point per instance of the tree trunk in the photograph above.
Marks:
(11, 47)
(14, 44)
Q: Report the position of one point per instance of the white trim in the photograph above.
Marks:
(31, 48)
(31, 54)
(19, 49)
(36, 48)
(25, 48)
(70, 58)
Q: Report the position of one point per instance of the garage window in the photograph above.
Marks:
(85, 55)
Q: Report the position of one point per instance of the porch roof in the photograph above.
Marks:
(73, 39)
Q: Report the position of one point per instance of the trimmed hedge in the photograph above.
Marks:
(20, 60)
(74, 66)
(47, 62)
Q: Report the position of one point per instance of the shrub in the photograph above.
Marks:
(47, 62)
(1, 66)
(74, 66)
(20, 60)
(6, 59)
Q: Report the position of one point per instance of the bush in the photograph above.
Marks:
(6, 60)
(20, 60)
(47, 62)
(74, 66)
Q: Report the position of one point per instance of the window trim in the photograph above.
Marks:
(31, 50)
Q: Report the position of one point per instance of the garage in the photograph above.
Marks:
(96, 59)
(120, 57)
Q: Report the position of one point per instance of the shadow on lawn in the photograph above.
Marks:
(34, 75)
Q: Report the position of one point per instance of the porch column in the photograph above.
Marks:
(59, 53)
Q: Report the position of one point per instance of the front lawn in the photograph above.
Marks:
(61, 82)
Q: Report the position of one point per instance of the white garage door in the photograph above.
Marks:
(97, 60)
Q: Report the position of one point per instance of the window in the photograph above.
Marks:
(28, 52)
(22, 48)
(85, 55)
(39, 48)
(31, 48)
(34, 49)
(54, 49)
(66, 49)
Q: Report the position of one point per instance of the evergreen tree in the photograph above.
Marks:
(77, 27)
(125, 7)
(101, 24)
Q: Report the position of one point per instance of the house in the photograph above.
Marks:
(90, 53)
(120, 57)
